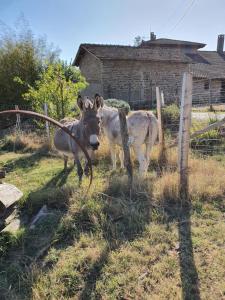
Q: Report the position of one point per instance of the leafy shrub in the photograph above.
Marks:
(118, 104)
(208, 142)
(171, 117)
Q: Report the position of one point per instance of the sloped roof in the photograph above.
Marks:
(209, 63)
(170, 42)
(117, 52)
(214, 66)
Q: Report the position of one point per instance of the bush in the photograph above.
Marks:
(208, 142)
(171, 117)
(118, 104)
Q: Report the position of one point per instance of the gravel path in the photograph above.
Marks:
(207, 115)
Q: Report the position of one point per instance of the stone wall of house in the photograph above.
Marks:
(91, 69)
(135, 81)
(203, 91)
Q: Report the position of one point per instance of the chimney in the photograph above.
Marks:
(220, 43)
(152, 36)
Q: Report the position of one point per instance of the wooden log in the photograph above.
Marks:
(215, 125)
(126, 150)
(210, 127)
(9, 195)
(184, 136)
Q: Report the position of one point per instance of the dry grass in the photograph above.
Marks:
(103, 151)
(25, 143)
(207, 179)
(113, 244)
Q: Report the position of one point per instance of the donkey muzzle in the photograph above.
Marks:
(94, 142)
(95, 146)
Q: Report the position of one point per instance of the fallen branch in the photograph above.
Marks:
(199, 132)
(210, 127)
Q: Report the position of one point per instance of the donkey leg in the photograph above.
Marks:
(139, 152)
(65, 161)
(121, 156)
(79, 169)
(87, 168)
(113, 155)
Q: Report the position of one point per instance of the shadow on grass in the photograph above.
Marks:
(54, 194)
(126, 213)
(125, 216)
(188, 270)
(18, 253)
(24, 163)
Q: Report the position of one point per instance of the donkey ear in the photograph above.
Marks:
(80, 102)
(99, 101)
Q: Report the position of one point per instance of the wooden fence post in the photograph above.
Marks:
(162, 99)
(126, 150)
(18, 129)
(162, 153)
(210, 95)
(18, 120)
(46, 123)
(184, 136)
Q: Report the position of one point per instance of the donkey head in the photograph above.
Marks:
(90, 120)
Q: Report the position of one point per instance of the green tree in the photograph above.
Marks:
(58, 86)
(23, 56)
(138, 40)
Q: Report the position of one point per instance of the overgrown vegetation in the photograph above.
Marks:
(171, 117)
(58, 87)
(118, 104)
(32, 74)
(109, 244)
(21, 55)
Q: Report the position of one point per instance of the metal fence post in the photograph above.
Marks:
(184, 136)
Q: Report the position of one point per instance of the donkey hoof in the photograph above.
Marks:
(86, 171)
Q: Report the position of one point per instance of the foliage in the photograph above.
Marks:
(171, 116)
(208, 142)
(21, 55)
(117, 104)
(137, 40)
(58, 86)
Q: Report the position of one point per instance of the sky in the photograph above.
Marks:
(68, 23)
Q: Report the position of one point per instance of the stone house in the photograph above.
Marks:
(131, 73)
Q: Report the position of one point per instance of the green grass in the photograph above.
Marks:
(109, 244)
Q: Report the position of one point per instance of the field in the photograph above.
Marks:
(110, 244)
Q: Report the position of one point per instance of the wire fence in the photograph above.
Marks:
(208, 106)
(21, 131)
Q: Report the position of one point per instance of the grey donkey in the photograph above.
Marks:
(86, 130)
(142, 130)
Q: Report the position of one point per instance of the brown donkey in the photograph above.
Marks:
(86, 130)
